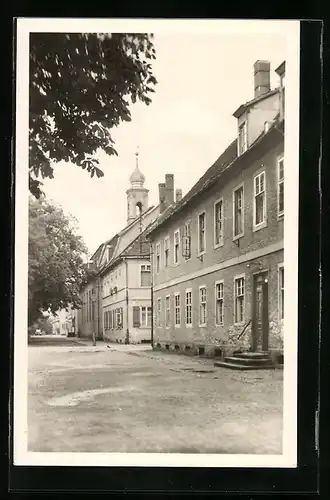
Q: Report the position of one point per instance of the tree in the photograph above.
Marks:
(81, 86)
(56, 267)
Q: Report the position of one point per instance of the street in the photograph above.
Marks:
(132, 399)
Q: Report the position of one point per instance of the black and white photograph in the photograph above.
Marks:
(156, 242)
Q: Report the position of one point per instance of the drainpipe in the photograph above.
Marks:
(152, 299)
(127, 315)
(98, 308)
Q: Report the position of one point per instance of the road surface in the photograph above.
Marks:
(131, 399)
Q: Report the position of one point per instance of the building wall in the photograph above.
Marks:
(88, 321)
(127, 298)
(271, 234)
(256, 250)
(225, 337)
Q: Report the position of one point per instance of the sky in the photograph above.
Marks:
(202, 79)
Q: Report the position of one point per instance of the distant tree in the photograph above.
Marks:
(81, 86)
(56, 253)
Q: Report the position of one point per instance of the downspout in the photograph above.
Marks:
(152, 299)
(127, 315)
(98, 308)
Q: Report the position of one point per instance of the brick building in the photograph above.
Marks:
(218, 253)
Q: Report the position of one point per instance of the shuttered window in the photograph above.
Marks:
(136, 317)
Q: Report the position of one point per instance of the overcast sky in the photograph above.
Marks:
(202, 79)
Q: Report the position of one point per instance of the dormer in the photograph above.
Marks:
(263, 108)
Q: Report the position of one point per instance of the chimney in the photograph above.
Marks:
(178, 195)
(162, 197)
(261, 78)
(169, 189)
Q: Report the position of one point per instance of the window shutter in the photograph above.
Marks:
(136, 317)
(121, 317)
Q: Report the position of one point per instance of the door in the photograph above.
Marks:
(260, 326)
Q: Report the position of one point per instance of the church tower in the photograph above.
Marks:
(137, 195)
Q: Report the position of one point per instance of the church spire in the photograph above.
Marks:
(137, 194)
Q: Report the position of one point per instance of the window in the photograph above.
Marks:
(201, 233)
(158, 312)
(113, 318)
(166, 251)
(176, 246)
(202, 306)
(136, 317)
(105, 316)
(281, 291)
(218, 223)
(167, 311)
(188, 315)
(280, 187)
(110, 320)
(187, 241)
(242, 138)
(239, 300)
(177, 306)
(119, 317)
(259, 208)
(219, 310)
(238, 212)
(145, 275)
(157, 258)
(145, 319)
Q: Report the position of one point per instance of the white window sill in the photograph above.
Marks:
(259, 226)
(280, 216)
(238, 236)
(218, 245)
(200, 254)
(188, 325)
(177, 326)
(204, 325)
(239, 323)
(219, 324)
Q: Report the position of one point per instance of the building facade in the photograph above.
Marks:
(116, 299)
(218, 253)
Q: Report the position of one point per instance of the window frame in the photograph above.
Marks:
(202, 325)
(261, 225)
(140, 275)
(188, 290)
(243, 125)
(176, 262)
(236, 278)
(158, 246)
(279, 291)
(219, 282)
(177, 325)
(168, 310)
(199, 251)
(167, 239)
(280, 158)
(241, 234)
(221, 243)
(145, 325)
(158, 312)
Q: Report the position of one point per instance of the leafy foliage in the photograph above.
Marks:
(81, 85)
(56, 268)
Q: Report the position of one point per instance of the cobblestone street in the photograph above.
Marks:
(131, 399)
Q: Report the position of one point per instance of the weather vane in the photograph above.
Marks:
(137, 156)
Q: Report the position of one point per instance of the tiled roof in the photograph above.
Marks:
(224, 164)
(225, 159)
